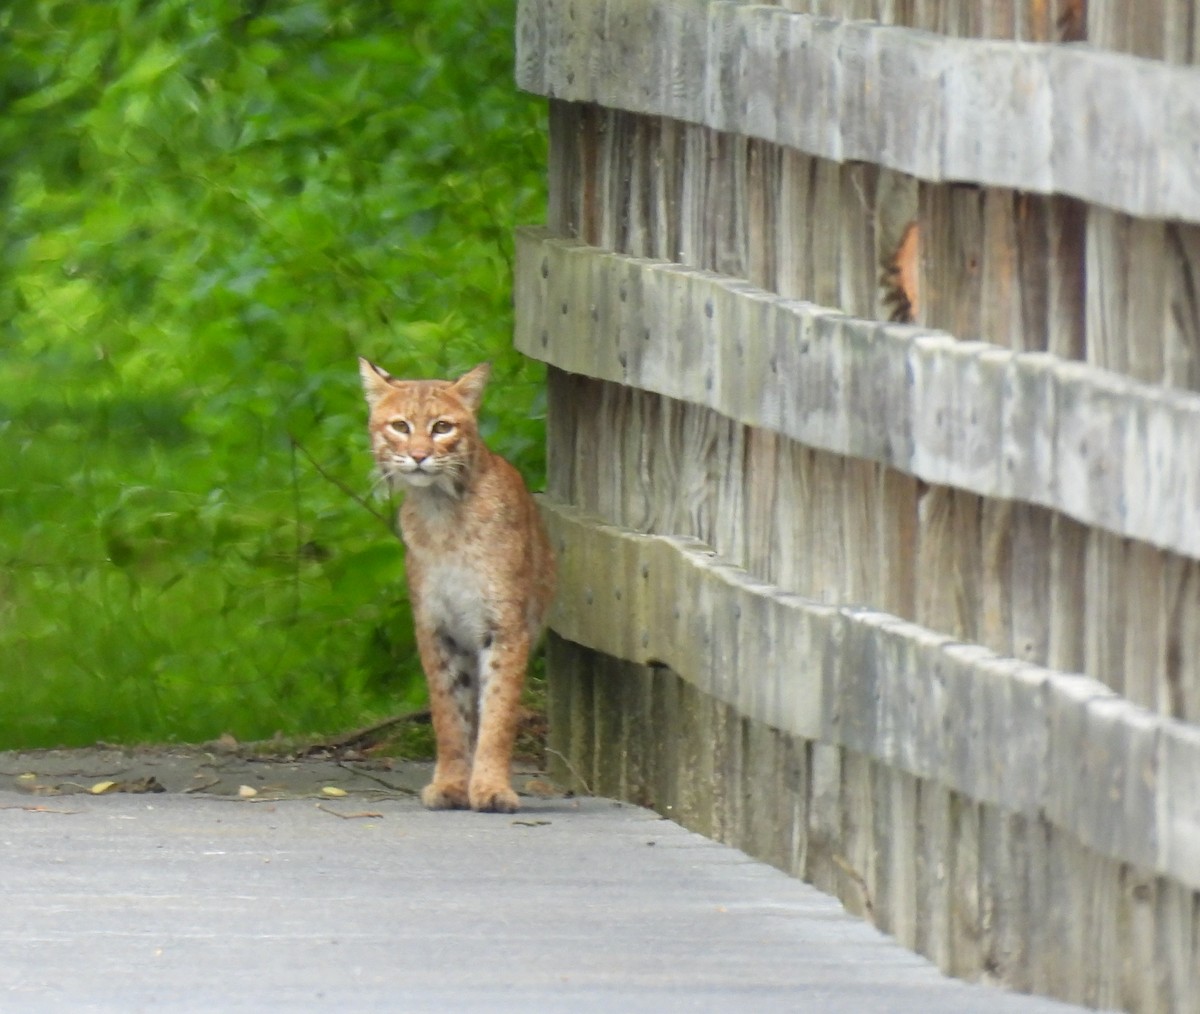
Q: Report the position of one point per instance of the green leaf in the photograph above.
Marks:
(210, 210)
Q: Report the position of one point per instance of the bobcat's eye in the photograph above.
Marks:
(400, 426)
(441, 427)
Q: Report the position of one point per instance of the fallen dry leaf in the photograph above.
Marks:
(147, 784)
(901, 279)
(247, 791)
(1072, 23)
(333, 790)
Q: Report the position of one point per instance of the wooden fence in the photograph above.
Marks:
(909, 607)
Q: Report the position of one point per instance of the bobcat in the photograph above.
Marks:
(480, 575)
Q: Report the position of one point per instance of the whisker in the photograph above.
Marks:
(383, 485)
(378, 483)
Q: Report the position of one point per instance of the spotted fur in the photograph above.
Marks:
(480, 575)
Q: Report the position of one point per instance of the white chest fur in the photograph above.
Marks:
(453, 599)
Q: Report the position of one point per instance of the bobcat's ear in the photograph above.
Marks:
(374, 380)
(469, 387)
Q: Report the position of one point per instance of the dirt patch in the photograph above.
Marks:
(228, 769)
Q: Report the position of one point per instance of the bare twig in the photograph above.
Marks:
(366, 774)
(335, 481)
(350, 816)
(35, 809)
(202, 788)
(571, 768)
(861, 195)
(350, 738)
(844, 865)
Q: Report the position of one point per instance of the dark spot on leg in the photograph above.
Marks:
(488, 638)
(448, 644)
(464, 687)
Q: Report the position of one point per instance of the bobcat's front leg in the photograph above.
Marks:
(502, 674)
(449, 672)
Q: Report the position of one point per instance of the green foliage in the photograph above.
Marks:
(208, 210)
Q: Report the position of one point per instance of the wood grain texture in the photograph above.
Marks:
(798, 226)
(1093, 445)
(1163, 29)
(848, 569)
(958, 716)
(985, 111)
(1023, 580)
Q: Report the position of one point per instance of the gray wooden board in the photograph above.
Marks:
(955, 714)
(1101, 448)
(1109, 128)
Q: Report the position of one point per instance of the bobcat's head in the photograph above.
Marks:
(423, 432)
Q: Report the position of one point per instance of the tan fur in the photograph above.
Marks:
(480, 575)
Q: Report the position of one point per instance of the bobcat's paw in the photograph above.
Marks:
(494, 799)
(437, 796)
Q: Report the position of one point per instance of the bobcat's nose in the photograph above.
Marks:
(418, 456)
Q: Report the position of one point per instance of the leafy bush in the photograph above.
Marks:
(209, 209)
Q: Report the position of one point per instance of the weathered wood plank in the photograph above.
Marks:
(1126, 269)
(1161, 30)
(948, 561)
(1008, 859)
(1178, 932)
(845, 530)
(1026, 116)
(1068, 548)
(1100, 448)
(934, 874)
(902, 907)
(823, 831)
(1181, 353)
(858, 853)
(1180, 693)
(1029, 590)
(1178, 816)
(957, 716)
(1065, 270)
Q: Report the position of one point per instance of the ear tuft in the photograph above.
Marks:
(469, 387)
(375, 380)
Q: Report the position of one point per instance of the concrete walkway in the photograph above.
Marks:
(180, 903)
